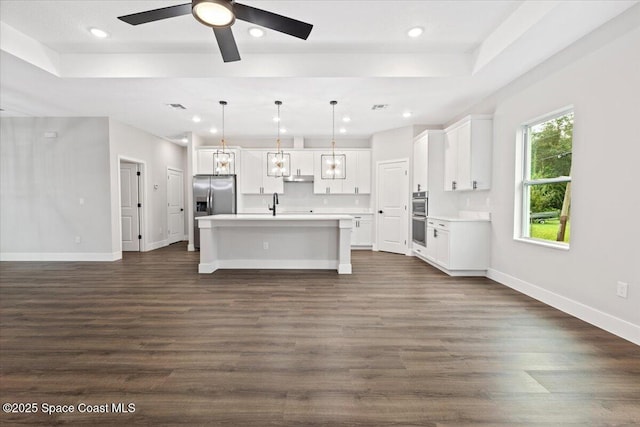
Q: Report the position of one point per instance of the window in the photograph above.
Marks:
(546, 183)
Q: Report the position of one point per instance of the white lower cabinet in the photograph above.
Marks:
(458, 247)
(362, 231)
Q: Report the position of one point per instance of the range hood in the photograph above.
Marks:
(298, 178)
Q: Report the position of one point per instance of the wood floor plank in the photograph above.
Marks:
(397, 343)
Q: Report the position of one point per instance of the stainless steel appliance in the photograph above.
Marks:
(212, 195)
(420, 210)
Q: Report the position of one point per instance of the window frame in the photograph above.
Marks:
(527, 183)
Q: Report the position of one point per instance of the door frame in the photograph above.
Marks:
(184, 210)
(407, 200)
(142, 195)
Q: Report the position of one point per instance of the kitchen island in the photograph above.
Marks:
(260, 241)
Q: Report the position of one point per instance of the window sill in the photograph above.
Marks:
(545, 243)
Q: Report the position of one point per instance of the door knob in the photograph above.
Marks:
(181, 210)
(380, 212)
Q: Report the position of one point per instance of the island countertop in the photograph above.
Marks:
(278, 217)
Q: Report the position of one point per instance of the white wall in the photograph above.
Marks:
(600, 77)
(133, 144)
(42, 183)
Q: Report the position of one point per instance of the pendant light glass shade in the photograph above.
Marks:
(333, 166)
(224, 161)
(278, 162)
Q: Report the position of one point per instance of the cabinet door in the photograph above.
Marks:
(442, 248)
(362, 232)
(204, 162)
(253, 165)
(431, 243)
(301, 162)
(420, 163)
(363, 176)
(450, 159)
(463, 174)
(350, 183)
(481, 149)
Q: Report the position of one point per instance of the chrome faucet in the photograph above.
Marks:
(275, 202)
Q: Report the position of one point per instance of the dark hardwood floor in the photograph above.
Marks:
(396, 343)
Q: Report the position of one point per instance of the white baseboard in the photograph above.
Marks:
(156, 245)
(266, 264)
(61, 256)
(609, 323)
(191, 247)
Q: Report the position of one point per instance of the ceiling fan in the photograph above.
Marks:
(220, 15)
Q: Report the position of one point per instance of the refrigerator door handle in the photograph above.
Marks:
(210, 202)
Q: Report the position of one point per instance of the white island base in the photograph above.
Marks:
(314, 242)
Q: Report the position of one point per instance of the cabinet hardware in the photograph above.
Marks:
(435, 233)
(475, 185)
(380, 212)
(453, 185)
(441, 225)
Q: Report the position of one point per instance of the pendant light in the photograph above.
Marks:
(334, 166)
(278, 163)
(224, 160)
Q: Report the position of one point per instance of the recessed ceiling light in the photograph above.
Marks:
(185, 140)
(283, 130)
(97, 32)
(346, 119)
(213, 130)
(415, 32)
(406, 114)
(343, 130)
(256, 32)
(196, 119)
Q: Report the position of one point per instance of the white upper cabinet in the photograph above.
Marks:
(254, 179)
(301, 162)
(357, 170)
(421, 162)
(467, 154)
(358, 180)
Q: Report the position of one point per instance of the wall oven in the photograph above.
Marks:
(419, 212)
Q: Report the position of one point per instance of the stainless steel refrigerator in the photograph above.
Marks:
(212, 195)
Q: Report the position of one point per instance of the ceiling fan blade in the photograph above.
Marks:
(156, 14)
(227, 44)
(271, 20)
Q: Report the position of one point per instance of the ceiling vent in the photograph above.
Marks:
(177, 106)
(379, 107)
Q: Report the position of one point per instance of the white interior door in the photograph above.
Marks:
(392, 213)
(175, 203)
(129, 210)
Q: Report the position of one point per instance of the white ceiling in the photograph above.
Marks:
(358, 53)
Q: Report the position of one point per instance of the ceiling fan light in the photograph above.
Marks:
(214, 13)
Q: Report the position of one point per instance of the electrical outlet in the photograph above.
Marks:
(325, 201)
(81, 201)
(622, 289)
(78, 240)
(265, 245)
(357, 201)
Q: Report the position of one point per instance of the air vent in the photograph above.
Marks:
(177, 106)
(379, 106)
